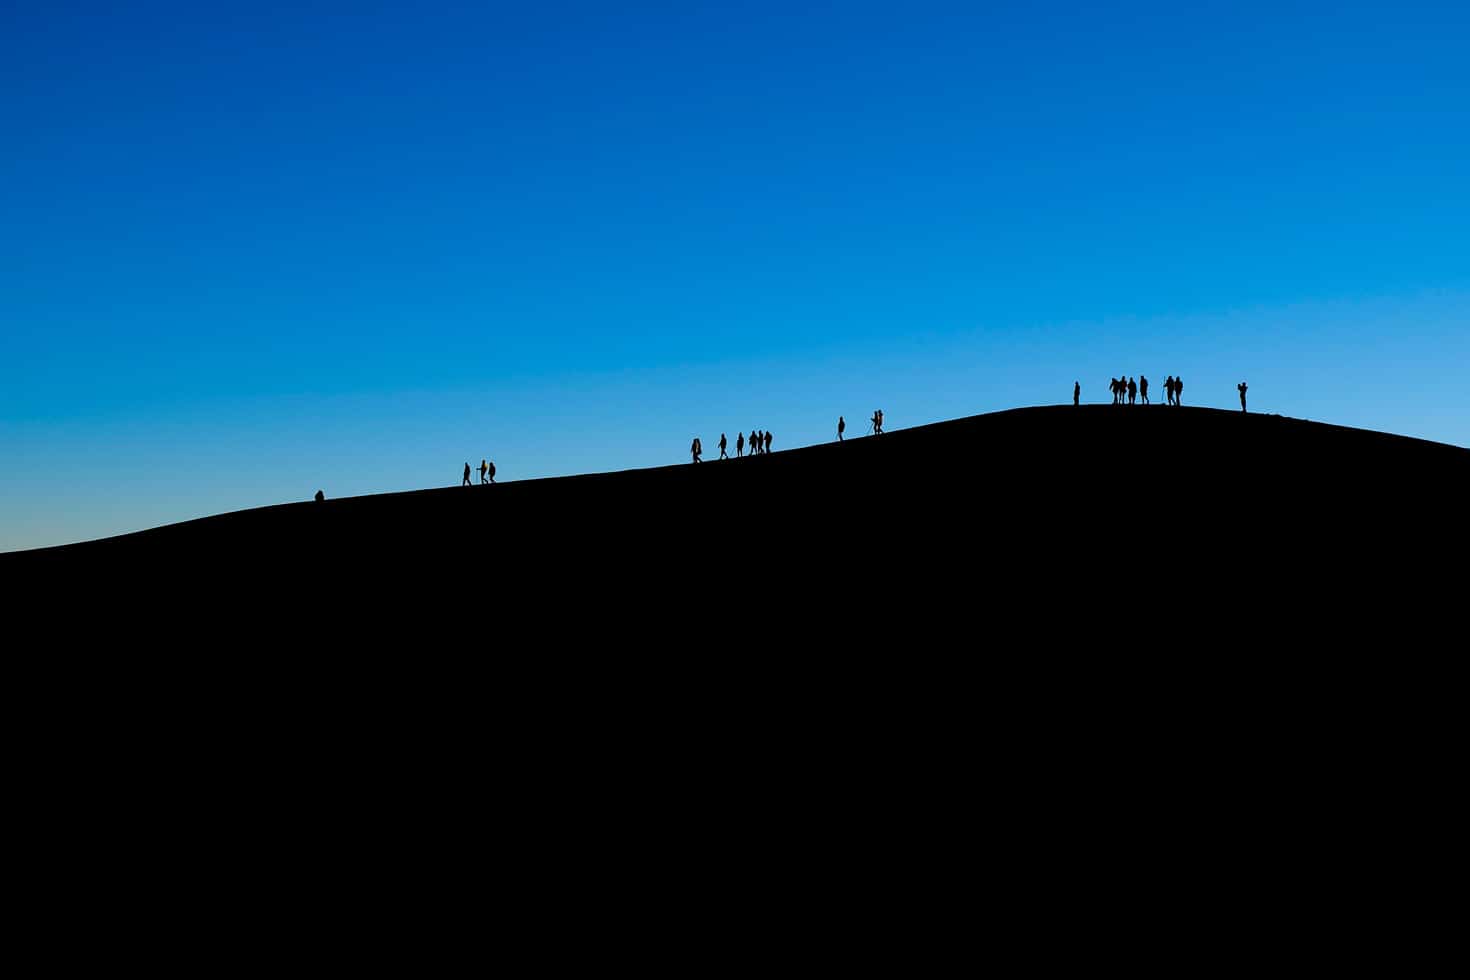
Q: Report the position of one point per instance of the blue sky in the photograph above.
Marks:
(249, 252)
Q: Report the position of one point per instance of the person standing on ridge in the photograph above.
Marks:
(1076, 393)
(740, 444)
(768, 440)
(1178, 391)
(1132, 391)
(841, 427)
(484, 469)
(466, 474)
(1241, 388)
(1169, 390)
(723, 454)
(1143, 389)
(492, 471)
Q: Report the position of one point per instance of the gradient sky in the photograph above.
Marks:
(249, 251)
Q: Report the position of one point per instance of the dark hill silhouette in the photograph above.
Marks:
(1124, 647)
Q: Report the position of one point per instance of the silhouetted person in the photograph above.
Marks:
(466, 474)
(695, 449)
(1113, 387)
(768, 440)
(1178, 392)
(755, 441)
(877, 421)
(484, 472)
(1076, 393)
(1143, 388)
(492, 471)
(841, 427)
(1132, 391)
(1241, 388)
(1169, 390)
(740, 444)
(320, 496)
(723, 454)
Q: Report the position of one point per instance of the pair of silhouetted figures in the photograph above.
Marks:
(877, 421)
(1122, 388)
(487, 473)
(1173, 387)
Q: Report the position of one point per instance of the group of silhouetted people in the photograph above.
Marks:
(1127, 391)
(759, 442)
(487, 473)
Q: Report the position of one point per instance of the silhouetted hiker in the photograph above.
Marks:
(484, 470)
(492, 472)
(723, 454)
(1076, 392)
(1178, 392)
(466, 474)
(877, 421)
(1113, 387)
(755, 441)
(740, 444)
(768, 440)
(841, 427)
(1169, 390)
(1143, 388)
(320, 496)
(695, 449)
(1132, 391)
(1241, 388)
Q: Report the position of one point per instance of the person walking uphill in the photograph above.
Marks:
(740, 444)
(466, 474)
(723, 454)
(841, 427)
(695, 449)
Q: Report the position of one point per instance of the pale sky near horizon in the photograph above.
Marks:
(252, 251)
